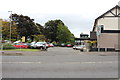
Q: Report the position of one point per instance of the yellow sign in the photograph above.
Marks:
(23, 38)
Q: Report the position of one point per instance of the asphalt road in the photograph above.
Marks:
(60, 63)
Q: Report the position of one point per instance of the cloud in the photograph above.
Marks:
(78, 15)
(74, 22)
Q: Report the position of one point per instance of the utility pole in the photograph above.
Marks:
(1, 34)
(10, 23)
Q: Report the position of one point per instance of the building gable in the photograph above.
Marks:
(114, 12)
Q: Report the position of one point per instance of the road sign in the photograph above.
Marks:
(98, 30)
(23, 38)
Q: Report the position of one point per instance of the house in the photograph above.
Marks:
(106, 29)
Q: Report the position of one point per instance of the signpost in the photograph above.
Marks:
(98, 36)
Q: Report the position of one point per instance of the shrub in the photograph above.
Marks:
(8, 46)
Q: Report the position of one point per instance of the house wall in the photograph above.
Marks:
(109, 40)
(110, 23)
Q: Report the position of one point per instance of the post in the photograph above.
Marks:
(98, 43)
(98, 36)
(10, 23)
(1, 34)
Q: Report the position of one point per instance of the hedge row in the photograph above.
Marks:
(8, 46)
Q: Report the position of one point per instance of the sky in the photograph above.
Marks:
(78, 15)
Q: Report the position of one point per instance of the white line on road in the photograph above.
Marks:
(59, 62)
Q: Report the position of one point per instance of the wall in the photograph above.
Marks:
(110, 23)
(109, 40)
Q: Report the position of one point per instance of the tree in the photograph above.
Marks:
(64, 35)
(40, 28)
(55, 30)
(25, 25)
(6, 30)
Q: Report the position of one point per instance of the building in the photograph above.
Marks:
(83, 40)
(107, 28)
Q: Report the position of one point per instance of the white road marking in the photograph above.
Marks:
(59, 62)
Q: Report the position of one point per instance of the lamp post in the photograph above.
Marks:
(10, 23)
(1, 34)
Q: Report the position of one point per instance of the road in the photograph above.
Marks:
(60, 62)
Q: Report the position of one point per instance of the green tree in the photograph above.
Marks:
(25, 25)
(6, 30)
(64, 35)
(40, 28)
(55, 30)
(50, 30)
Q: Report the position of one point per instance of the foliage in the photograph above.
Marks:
(40, 28)
(51, 29)
(39, 37)
(8, 46)
(63, 34)
(55, 30)
(25, 25)
(6, 30)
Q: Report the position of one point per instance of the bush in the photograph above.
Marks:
(13, 40)
(8, 46)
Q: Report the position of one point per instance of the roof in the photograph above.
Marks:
(116, 14)
(84, 35)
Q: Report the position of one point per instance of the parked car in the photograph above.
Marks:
(50, 45)
(17, 42)
(79, 47)
(5, 41)
(28, 44)
(69, 45)
(21, 45)
(33, 44)
(41, 45)
(62, 45)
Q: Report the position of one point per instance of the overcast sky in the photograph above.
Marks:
(78, 15)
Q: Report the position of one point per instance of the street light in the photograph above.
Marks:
(1, 34)
(10, 23)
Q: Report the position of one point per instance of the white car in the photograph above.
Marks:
(40, 45)
(51, 45)
(79, 47)
(17, 42)
(33, 44)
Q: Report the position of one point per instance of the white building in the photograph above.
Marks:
(110, 29)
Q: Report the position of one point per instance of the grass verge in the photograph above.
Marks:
(33, 50)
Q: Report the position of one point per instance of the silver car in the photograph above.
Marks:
(79, 47)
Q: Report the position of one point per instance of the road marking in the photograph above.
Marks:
(21, 62)
(93, 62)
(59, 62)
